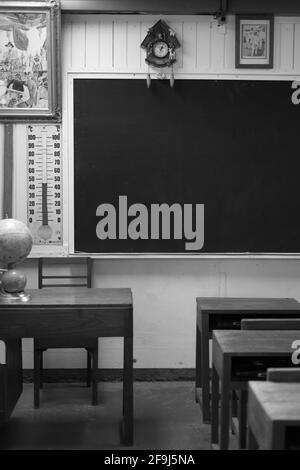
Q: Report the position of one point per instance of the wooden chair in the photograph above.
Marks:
(50, 279)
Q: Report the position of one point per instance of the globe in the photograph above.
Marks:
(15, 242)
(15, 246)
(13, 281)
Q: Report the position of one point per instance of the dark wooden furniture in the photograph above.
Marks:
(270, 324)
(64, 314)
(50, 279)
(240, 356)
(223, 313)
(283, 375)
(273, 416)
(53, 279)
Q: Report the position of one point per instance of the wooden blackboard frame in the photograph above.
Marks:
(68, 125)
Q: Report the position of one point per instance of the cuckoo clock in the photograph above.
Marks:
(160, 45)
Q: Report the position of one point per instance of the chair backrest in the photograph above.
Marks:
(271, 324)
(283, 375)
(48, 276)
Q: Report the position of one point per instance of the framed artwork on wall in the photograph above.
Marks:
(30, 60)
(254, 41)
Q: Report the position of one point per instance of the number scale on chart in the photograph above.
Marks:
(44, 184)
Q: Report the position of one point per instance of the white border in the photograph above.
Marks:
(68, 137)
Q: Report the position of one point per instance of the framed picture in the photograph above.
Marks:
(30, 60)
(254, 41)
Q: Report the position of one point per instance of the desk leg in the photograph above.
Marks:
(242, 417)
(127, 425)
(11, 381)
(205, 370)
(225, 404)
(198, 360)
(37, 377)
(251, 441)
(94, 377)
(215, 407)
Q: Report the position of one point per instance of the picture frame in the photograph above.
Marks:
(254, 41)
(30, 70)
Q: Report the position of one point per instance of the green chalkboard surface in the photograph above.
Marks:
(232, 146)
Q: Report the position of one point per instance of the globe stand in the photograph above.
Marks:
(12, 286)
(8, 297)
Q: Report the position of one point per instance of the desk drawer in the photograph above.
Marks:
(232, 321)
(255, 368)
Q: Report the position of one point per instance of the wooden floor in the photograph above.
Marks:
(166, 417)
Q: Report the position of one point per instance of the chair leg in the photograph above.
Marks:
(41, 369)
(37, 377)
(94, 377)
(88, 367)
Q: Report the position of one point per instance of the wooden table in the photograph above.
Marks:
(67, 312)
(273, 415)
(236, 355)
(225, 313)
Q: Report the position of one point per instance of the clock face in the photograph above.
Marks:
(160, 49)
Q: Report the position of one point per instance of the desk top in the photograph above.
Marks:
(255, 343)
(280, 401)
(74, 296)
(239, 304)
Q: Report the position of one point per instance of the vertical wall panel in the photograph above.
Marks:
(287, 47)
(203, 45)
(20, 172)
(134, 44)
(229, 50)
(277, 47)
(217, 47)
(92, 42)
(178, 29)
(66, 41)
(297, 48)
(120, 45)
(189, 45)
(106, 43)
(78, 43)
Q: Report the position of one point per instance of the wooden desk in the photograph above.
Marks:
(273, 415)
(65, 313)
(238, 357)
(225, 313)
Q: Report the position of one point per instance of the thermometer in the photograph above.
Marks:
(44, 184)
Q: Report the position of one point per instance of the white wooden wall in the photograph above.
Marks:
(112, 44)
(164, 290)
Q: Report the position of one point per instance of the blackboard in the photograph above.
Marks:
(232, 145)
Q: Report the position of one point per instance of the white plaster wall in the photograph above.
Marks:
(164, 294)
